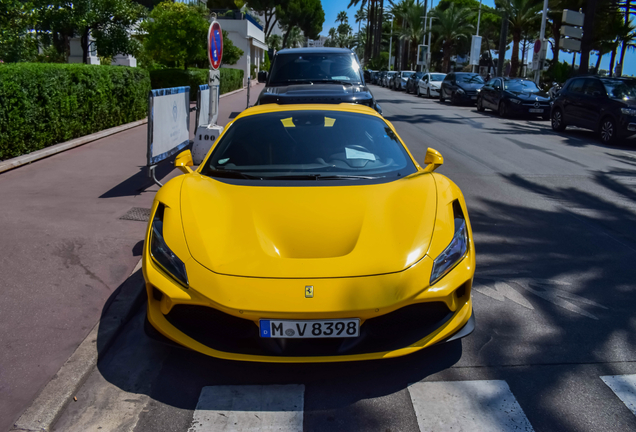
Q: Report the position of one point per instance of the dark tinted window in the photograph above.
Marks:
(304, 145)
(289, 68)
(449, 77)
(577, 86)
(437, 77)
(620, 89)
(593, 87)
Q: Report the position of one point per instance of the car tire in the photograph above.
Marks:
(428, 93)
(480, 106)
(607, 131)
(503, 110)
(557, 122)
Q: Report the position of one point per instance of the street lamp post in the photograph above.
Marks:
(390, 42)
(477, 34)
(537, 73)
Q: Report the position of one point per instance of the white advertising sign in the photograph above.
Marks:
(168, 122)
(475, 50)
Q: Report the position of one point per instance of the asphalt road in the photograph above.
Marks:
(553, 218)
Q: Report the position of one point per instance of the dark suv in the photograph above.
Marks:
(316, 75)
(605, 105)
(461, 87)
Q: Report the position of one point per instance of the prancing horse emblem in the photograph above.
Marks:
(309, 291)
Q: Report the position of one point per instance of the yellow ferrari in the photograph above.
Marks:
(309, 234)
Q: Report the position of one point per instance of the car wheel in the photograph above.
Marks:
(557, 120)
(480, 106)
(608, 131)
(428, 93)
(503, 110)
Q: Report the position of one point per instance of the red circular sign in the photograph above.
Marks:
(215, 45)
(537, 45)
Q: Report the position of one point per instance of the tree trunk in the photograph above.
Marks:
(378, 34)
(624, 45)
(612, 60)
(514, 60)
(370, 19)
(587, 41)
(446, 65)
(84, 41)
(286, 36)
(598, 61)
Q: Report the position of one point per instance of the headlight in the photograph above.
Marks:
(162, 254)
(460, 91)
(454, 253)
(629, 111)
(478, 90)
(434, 87)
(515, 101)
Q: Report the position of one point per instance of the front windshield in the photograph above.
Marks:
(437, 77)
(524, 86)
(470, 79)
(391, 73)
(311, 68)
(620, 89)
(407, 74)
(309, 145)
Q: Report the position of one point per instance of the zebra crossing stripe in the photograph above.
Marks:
(624, 386)
(466, 406)
(250, 408)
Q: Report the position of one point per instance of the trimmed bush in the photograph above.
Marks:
(45, 104)
(231, 79)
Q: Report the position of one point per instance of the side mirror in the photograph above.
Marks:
(184, 161)
(262, 76)
(433, 160)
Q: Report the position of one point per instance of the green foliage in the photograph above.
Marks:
(253, 69)
(307, 15)
(176, 34)
(381, 62)
(44, 104)
(266, 64)
(274, 42)
(16, 19)
(231, 79)
(231, 53)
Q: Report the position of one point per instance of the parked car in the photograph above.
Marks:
(399, 80)
(604, 105)
(386, 81)
(461, 87)
(411, 82)
(510, 96)
(429, 84)
(380, 78)
(316, 75)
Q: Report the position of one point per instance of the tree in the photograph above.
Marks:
(451, 25)
(295, 38)
(274, 42)
(268, 9)
(413, 29)
(524, 18)
(307, 15)
(17, 41)
(176, 34)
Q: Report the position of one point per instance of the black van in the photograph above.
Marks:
(316, 75)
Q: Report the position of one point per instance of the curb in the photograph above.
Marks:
(232, 92)
(49, 404)
(58, 148)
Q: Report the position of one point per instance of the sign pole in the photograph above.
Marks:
(537, 73)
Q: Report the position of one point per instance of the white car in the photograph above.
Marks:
(430, 84)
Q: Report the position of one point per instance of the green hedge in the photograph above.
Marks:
(44, 104)
(231, 79)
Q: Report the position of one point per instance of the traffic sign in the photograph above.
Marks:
(215, 45)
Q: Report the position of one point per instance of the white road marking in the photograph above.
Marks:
(250, 408)
(624, 386)
(467, 406)
(556, 296)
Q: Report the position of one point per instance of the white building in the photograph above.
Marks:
(247, 34)
(317, 43)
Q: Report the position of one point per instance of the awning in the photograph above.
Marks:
(259, 44)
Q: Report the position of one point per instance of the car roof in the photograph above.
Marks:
(315, 51)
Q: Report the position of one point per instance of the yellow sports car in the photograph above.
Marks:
(309, 234)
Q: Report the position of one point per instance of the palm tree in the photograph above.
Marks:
(627, 38)
(342, 18)
(413, 29)
(295, 38)
(523, 16)
(450, 26)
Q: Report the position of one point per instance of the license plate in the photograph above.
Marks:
(473, 97)
(288, 329)
(536, 110)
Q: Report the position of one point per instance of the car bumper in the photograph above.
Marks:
(521, 109)
(434, 92)
(218, 315)
(467, 98)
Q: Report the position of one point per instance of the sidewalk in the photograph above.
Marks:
(66, 250)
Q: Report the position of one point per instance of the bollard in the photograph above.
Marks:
(248, 92)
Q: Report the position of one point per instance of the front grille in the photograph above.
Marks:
(228, 333)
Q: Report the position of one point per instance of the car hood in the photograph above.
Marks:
(310, 231)
(316, 93)
(542, 96)
(467, 86)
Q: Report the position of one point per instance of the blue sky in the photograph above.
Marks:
(332, 7)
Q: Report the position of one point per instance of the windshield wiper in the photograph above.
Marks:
(231, 174)
(333, 81)
(319, 177)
